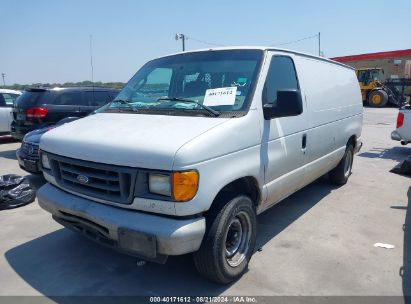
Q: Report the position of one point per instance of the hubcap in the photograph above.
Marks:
(237, 240)
(348, 163)
(234, 235)
(376, 99)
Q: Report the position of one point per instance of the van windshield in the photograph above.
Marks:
(190, 83)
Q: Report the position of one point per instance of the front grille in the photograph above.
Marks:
(31, 150)
(107, 182)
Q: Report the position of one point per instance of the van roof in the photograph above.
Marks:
(262, 48)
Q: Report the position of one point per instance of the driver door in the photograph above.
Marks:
(284, 138)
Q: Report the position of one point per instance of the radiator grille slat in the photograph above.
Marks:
(98, 185)
(103, 175)
(102, 181)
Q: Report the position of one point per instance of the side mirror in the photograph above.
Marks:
(289, 103)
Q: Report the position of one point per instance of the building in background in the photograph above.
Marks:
(396, 64)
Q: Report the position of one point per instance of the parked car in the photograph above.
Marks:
(403, 130)
(195, 146)
(28, 154)
(40, 107)
(7, 100)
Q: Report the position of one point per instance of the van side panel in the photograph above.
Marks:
(334, 112)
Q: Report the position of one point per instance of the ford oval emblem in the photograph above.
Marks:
(82, 179)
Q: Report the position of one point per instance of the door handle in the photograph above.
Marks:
(304, 142)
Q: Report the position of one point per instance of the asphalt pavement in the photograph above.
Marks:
(318, 242)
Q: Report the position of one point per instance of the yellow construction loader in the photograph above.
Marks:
(373, 91)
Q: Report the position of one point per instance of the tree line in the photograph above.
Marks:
(21, 87)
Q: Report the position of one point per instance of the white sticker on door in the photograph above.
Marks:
(220, 96)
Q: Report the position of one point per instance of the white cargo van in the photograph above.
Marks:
(195, 146)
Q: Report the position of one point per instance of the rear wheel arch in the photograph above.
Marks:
(340, 174)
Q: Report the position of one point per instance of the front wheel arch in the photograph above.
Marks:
(247, 185)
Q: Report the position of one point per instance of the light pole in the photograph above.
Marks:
(183, 40)
(3, 76)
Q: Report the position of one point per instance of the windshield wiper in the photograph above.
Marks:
(124, 102)
(179, 99)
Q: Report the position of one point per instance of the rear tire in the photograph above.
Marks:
(378, 99)
(340, 174)
(229, 241)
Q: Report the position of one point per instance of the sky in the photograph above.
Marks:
(49, 40)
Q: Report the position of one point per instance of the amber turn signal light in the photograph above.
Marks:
(184, 185)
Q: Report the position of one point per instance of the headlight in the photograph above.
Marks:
(45, 161)
(180, 186)
(159, 184)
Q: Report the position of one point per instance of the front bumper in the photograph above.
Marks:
(28, 164)
(140, 234)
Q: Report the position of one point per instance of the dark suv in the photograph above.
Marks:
(38, 108)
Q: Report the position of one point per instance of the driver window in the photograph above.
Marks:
(281, 75)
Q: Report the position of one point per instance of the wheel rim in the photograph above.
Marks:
(237, 239)
(348, 163)
(376, 99)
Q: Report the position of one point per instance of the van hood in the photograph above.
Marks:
(134, 140)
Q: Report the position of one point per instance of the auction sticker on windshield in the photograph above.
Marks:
(220, 96)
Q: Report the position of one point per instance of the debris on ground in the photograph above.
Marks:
(382, 245)
(403, 168)
(15, 191)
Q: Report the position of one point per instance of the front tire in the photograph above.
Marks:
(229, 240)
(340, 174)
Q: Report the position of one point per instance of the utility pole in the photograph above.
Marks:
(319, 43)
(3, 76)
(183, 40)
